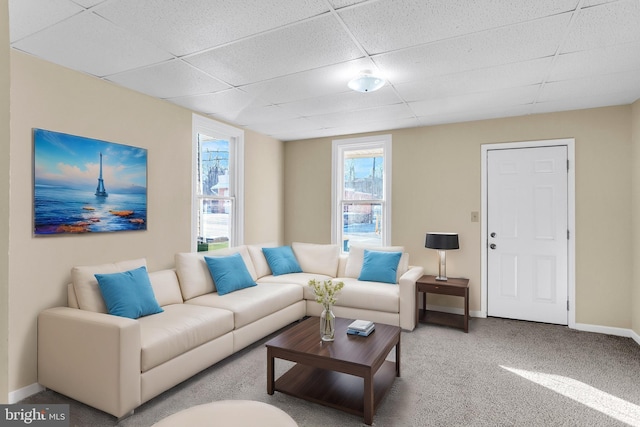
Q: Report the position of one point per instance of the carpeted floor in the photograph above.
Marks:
(502, 373)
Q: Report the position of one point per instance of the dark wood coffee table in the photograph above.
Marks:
(350, 373)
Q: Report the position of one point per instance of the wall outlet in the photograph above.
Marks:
(475, 217)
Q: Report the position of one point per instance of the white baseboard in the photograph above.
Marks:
(608, 330)
(17, 395)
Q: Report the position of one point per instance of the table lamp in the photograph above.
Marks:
(442, 242)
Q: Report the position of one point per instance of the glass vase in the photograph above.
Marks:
(327, 324)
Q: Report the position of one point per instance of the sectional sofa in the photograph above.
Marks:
(116, 363)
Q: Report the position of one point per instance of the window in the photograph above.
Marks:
(218, 153)
(361, 191)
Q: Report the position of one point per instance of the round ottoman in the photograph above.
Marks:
(236, 413)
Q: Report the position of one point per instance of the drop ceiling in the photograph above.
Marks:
(281, 67)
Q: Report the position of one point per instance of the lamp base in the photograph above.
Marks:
(441, 278)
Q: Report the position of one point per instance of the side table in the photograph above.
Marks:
(453, 286)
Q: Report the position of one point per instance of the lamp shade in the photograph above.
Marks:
(366, 81)
(442, 241)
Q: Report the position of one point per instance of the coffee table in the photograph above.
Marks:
(350, 373)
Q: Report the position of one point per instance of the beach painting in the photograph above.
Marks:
(84, 185)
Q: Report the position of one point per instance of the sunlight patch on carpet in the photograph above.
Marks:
(583, 393)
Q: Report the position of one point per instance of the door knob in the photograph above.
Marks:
(492, 246)
(493, 234)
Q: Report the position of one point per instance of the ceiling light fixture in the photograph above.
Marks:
(366, 81)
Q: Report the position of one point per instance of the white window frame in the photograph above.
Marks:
(339, 146)
(235, 136)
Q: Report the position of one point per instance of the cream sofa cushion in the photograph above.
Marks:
(194, 275)
(260, 263)
(376, 296)
(166, 287)
(252, 304)
(317, 258)
(86, 286)
(178, 329)
(356, 259)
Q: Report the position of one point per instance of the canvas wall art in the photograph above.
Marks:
(84, 185)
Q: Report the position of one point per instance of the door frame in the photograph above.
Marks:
(571, 217)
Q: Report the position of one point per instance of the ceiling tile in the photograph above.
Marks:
(490, 48)
(308, 84)
(88, 3)
(607, 60)
(169, 79)
(369, 115)
(478, 114)
(258, 115)
(339, 4)
(30, 16)
(188, 27)
(589, 101)
(486, 79)
(396, 24)
(230, 102)
(476, 101)
(289, 50)
(345, 101)
(604, 25)
(291, 125)
(593, 86)
(88, 43)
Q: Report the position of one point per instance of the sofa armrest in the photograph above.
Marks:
(407, 285)
(91, 357)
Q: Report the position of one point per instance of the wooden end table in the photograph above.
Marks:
(452, 286)
(350, 373)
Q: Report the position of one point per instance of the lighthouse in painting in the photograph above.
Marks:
(100, 191)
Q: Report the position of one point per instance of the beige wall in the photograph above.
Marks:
(47, 96)
(436, 186)
(264, 194)
(635, 198)
(4, 199)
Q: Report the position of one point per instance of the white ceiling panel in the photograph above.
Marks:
(230, 102)
(369, 115)
(259, 115)
(169, 80)
(339, 4)
(186, 27)
(605, 25)
(291, 125)
(281, 67)
(476, 101)
(486, 79)
(477, 114)
(587, 101)
(490, 48)
(592, 87)
(622, 57)
(90, 44)
(30, 16)
(318, 43)
(390, 25)
(345, 101)
(87, 3)
(308, 84)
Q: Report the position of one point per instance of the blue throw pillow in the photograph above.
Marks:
(281, 260)
(128, 294)
(380, 266)
(229, 273)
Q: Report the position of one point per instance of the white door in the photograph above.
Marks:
(527, 233)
